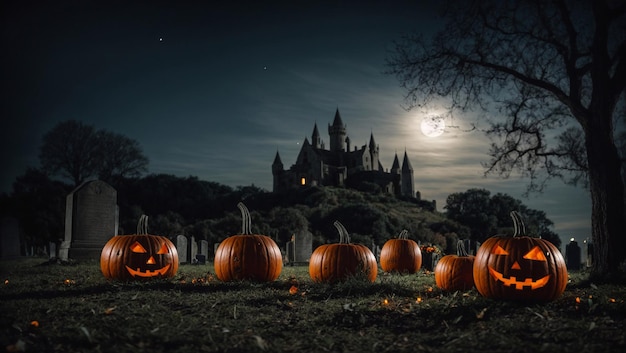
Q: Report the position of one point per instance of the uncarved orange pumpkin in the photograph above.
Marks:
(401, 255)
(520, 267)
(139, 256)
(343, 260)
(455, 272)
(248, 256)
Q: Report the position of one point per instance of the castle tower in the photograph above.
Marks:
(408, 186)
(395, 167)
(316, 140)
(277, 171)
(337, 132)
(374, 152)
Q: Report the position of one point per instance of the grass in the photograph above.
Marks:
(72, 308)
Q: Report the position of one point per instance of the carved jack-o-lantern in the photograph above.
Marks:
(139, 256)
(519, 267)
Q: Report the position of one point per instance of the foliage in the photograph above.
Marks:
(48, 307)
(488, 215)
(77, 152)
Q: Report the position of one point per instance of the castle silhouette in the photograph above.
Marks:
(340, 166)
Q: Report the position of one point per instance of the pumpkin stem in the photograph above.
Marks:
(344, 237)
(403, 234)
(518, 225)
(460, 248)
(142, 225)
(246, 223)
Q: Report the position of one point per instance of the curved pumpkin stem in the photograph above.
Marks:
(404, 234)
(142, 225)
(518, 225)
(246, 223)
(460, 248)
(344, 237)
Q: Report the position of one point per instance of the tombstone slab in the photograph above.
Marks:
(181, 247)
(90, 220)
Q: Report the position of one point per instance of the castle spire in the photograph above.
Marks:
(277, 161)
(337, 121)
(395, 167)
(406, 165)
(337, 132)
(315, 137)
(406, 177)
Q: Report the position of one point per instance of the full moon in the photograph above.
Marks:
(433, 126)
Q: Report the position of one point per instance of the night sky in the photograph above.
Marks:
(213, 90)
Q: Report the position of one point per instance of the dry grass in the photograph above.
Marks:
(72, 308)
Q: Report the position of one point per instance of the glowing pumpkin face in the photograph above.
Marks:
(519, 268)
(139, 256)
(150, 267)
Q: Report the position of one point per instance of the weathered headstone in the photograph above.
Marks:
(204, 252)
(300, 248)
(90, 220)
(9, 237)
(52, 250)
(181, 247)
(204, 248)
(193, 249)
(572, 255)
(471, 246)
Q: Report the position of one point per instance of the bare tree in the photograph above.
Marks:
(78, 152)
(555, 74)
(70, 150)
(119, 157)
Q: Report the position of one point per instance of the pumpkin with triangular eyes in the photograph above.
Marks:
(139, 256)
(519, 267)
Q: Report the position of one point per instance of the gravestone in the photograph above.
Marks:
(53, 250)
(181, 247)
(300, 248)
(9, 238)
(376, 251)
(204, 248)
(572, 255)
(204, 252)
(193, 249)
(471, 246)
(91, 219)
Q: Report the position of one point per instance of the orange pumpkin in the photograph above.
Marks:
(519, 267)
(455, 272)
(248, 256)
(340, 261)
(401, 255)
(139, 256)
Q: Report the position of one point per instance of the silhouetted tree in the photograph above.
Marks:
(70, 150)
(488, 215)
(78, 152)
(556, 70)
(119, 157)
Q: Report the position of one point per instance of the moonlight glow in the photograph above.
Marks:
(433, 126)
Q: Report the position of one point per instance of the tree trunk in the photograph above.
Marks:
(607, 201)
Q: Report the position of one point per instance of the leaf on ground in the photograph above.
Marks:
(86, 332)
(260, 342)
